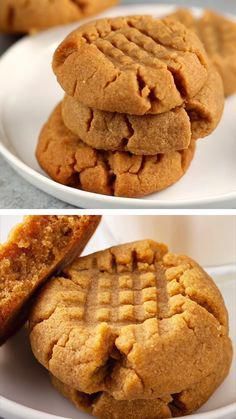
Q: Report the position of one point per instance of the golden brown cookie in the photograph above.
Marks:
(69, 161)
(104, 406)
(20, 16)
(129, 321)
(133, 65)
(218, 35)
(141, 135)
(148, 134)
(36, 249)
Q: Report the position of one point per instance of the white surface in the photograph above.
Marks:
(211, 240)
(28, 93)
(25, 385)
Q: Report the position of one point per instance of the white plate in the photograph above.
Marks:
(28, 93)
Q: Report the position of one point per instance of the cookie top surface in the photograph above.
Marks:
(133, 65)
(36, 248)
(20, 16)
(113, 311)
(71, 162)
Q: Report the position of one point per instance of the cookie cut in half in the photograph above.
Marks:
(133, 322)
(21, 16)
(37, 248)
(134, 65)
(71, 162)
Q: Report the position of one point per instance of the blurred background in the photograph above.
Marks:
(209, 239)
(228, 6)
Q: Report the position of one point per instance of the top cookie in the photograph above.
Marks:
(99, 324)
(20, 16)
(133, 65)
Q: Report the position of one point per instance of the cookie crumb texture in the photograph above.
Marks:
(36, 249)
(218, 35)
(69, 161)
(133, 328)
(133, 65)
(21, 16)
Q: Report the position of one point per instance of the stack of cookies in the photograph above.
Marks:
(139, 93)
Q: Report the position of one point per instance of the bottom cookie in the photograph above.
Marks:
(104, 406)
(69, 161)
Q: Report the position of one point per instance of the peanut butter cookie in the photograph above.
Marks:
(133, 65)
(129, 321)
(20, 16)
(141, 135)
(218, 35)
(148, 134)
(36, 249)
(69, 161)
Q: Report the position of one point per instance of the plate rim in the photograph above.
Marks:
(41, 181)
(17, 408)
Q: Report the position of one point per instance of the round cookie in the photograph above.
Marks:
(133, 65)
(69, 161)
(104, 406)
(148, 134)
(141, 135)
(218, 35)
(20, 16)
(98, 325)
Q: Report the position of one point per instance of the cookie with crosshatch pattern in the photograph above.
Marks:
(134, 64)
(129, 321)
